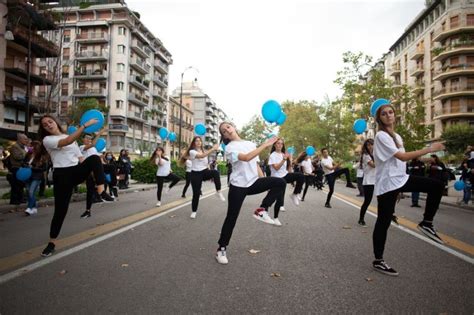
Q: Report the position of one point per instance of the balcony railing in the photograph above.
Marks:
(40, 46)
(455, 89)
(417, 71)
(118, 127)
(139, 48)
(450, 70)
(95, 36)
(91, 54)
(138, 99)
(447, 30)
(90, 92)
(90, 73)
(140, 65)
(142, 83)
(38, 75)
(418, 53)
(161, 65)
(446, 51)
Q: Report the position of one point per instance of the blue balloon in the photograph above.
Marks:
(23, 174)
(271, 111)
(93, 114)
(200, 129)
(172, 137)
(100, 144)
(310, 150)
(71, 130)
(360, 125)
(291, 150)
(281, 119)
(108, 178)
(163, 133)
(376, 105)
(459, 185)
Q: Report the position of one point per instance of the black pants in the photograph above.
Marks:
(112, 171)
(17, 186)
(91, 191)
(387, 201)
(368, 194)
(186, 185)
(64, 181)
(196, 183)
(289, 178)
(331, 179)
(308, 180)
(160, 180)
(275, 187)
(360, 180)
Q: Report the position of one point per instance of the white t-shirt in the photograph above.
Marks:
(89, 152)
(66, 156)
(369, 171)
(359, 171)
(244, 174)
(307, 166)
(390, 173)
(164, 169)
(189, 165)
(276, 158)
(199, 164)
(328, 162)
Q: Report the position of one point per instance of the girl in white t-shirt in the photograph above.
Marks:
(70, 169)
(188, 164)
(391, 179)
(163, 172)
(306, 166)
(368, 167)
(200, 171)
(280, 165)
(246, 179)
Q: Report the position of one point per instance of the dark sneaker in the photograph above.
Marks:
(351, 186)
(49, 250)
(381, 266)
(97, 200)
(106, 197)
(428, 230)
(395, 219)
(115, 192)
(327, 205)
(362, 223)
(86, 214)
(415, 205)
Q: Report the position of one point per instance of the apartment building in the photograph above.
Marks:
(110, 55)
(175, 116)
(435, 56)
(24, 82)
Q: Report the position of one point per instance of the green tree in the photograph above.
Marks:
(256, 130)
(458, 137)
(76, 111)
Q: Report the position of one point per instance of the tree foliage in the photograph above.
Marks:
(458, 137)
(76, 111)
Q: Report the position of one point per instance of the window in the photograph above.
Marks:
(64, 89)
(120, 67)
(455, 106)
(119, 104)
(66, 53)
(120, 85)
(122, 30)
(9, 115)
(121, 49)
(454, 21)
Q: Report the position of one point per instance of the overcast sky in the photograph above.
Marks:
(249, 51)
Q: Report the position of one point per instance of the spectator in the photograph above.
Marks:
(37, 159)
(416, 168)
(124, 169)
(2, 156)
(110, 167)
(467, 176)
(470, 156)
(17, 156)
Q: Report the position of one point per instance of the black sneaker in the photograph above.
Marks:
(351, 186)
(183, 196)
(86, 214)
(381, 266)
(395, 219)
(106, 197)
(327, 205)
(49, 250)
(97, 200)
(362, 223)
(428, 229)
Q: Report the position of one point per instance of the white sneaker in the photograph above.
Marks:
(158, 203)
(300, 196)
(28, 211)
(34, 211)
(276, 222)
(220, 195)
(282, 209)
(221, 256)
(262, 215)
(193, 215)
(295, 199)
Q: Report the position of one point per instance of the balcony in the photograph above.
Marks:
(161, 66)
(40, 46)
(454, 91)
(139, 82)
(454, 70)
(38, 76)
(417, 71)
(418, 53)
(90, 74)
(419, 87)
(161, 95)
(445, 31)
(87, 55)
(90, 92)
(445, 115)
(395, 70)
(447, 51)
(139, 65)
(37, 104)
(138, 99)
(92, 38)
(135, 116)
(118, 127)
(160, 80)
(140, 49)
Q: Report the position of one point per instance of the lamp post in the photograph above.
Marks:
(181, 106)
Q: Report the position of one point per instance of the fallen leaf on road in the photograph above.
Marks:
(254, 251)
(369, 279)
(99, 224)
(172, 216)
(62, 272)
(346, 227)
(275, 275)
(125, 265)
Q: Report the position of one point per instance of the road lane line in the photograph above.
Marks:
(115, 228)
(411, 228)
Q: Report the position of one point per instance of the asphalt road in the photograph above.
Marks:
(319, 261)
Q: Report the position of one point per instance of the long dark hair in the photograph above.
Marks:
(192, 146)
(382, 127)
(43, 132)
(301, 157)
(153, 156)
(39, 154)
(365, 150)
(223, 139)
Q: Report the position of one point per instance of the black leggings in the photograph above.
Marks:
(196, 183)
(289, 178)
(160, 180)
(331, 179)
(188, 181)
(91, 191)
(64, 180)
(275, 187)
(308, 180)
(368, 194)
(387, 201)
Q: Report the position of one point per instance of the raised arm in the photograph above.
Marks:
(74, 136)
(252, 154)
(206, 153)
(407, 156)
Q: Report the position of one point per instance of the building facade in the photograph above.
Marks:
(435, 56)
(175, 116)
(108, 54)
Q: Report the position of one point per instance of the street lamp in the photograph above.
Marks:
(181, 106)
